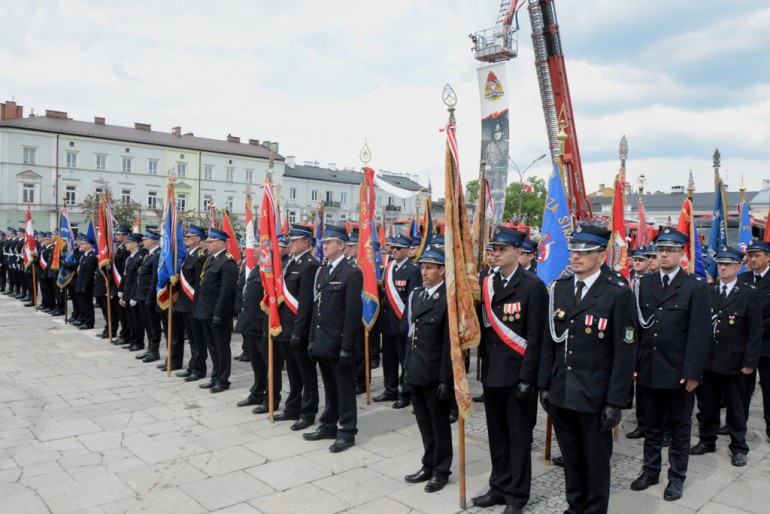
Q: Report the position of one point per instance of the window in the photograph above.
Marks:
(30, 155)
(208, 171)
(152, 166)
(125, 196)
(70, 194)
(379, 201)
(344, 198)
(98, 191)
(28, 193)
(127, 164)
(403, 203)
(293, 193)
(207, 200)
(101, 162)
(249, 176)
(329, 217)
(314, 195)
(72, 159)
(152, 199)
(181, 202)
(230, 174)
(292, 216)
(181, 169)
(229, 203)
(329, 196)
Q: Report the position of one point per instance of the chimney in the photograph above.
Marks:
(601, 187)
(177, 131)
(10, 111)
(291, 161)
(266, 144)
(254, 142)
(56, 114)
(233, 139)
(142, 126)
(99, 120)
(274, 147)
(765, 183)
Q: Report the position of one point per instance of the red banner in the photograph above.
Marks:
(270, 260)
(30, 247)
(617, 251)
(232, 242)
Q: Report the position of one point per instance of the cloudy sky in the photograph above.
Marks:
(677, 78)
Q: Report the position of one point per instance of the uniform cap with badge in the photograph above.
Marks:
(353, 237)
(433, 255)
(151, 234)
(195, 230)
(506, 236)
(400, 241)
(122, 230)
(671, 238)
(217, 235)
(589, 238)
(332, 232)
(299, 231)
(758, 246)
(135, 238)
(729, 255)
(529, 246)
(640, 254)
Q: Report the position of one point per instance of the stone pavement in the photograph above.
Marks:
(84, 427)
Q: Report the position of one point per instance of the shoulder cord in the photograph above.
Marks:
(645, 324)
(563, 337)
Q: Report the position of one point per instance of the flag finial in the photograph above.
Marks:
(366, 154)
(450, 100)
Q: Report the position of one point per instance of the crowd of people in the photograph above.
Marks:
(589, 346)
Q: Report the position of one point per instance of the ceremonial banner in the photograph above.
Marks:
(171, 254)
(319, 230)
(617, 252)
(64, 258)
(232, 241)
(30, 246)
(642, 229)
(692, 256)
(552, 254)
(251, 240)
(427, 229)
(270, 261)
(493, 93)
(744, 232)
(366, 258)
(718, 235)
(104, 242)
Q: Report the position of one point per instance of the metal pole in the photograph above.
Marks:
(461, 448)
(169, 330)
(368, 368)
(270, 372)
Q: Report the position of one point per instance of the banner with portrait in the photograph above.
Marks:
(493, 92)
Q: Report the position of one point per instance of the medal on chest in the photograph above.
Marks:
(589, 322)
(732, 320)
(602, 326)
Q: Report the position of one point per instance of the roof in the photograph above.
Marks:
(134, 135)
(346, 176)
(761, 198)
(673, 201)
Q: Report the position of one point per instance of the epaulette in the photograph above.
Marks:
(621, 283)
(229, 255)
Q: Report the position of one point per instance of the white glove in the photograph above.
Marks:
(120, 295)
(132, 303)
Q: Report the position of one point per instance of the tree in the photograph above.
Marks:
(472, 191)
(532, 202)
(123, 212)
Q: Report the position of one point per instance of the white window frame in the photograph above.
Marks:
(152, 199)
(229, 203)
(100, 163)
(28, 192)
(292, 214)
(208, 171)
(181, 202)
(293, 193)
(207, 200)
(71, 159)
(123, 195)
(181, 169)
(314, 195)
(152, 166)
(71, 199)
(29, 155)
(249, 176)
(123, 167)
(229, 174)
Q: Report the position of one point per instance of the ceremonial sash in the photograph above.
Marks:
(189, 291)
(43, 264)
(289, 298)
(116, 275)
(508, 336)
(392, 293)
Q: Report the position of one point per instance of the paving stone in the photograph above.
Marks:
(282, 446)
(226, 460)
(380, 505)
(165, 501)
(302, 499)
(241, 508)
(26, 502)
(354, 458)
(65, 498)
(288, 473)
(161, 476)
(162, 447)
(225, 490)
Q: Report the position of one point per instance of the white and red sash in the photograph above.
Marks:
(188, 289)
(43, 264)
(392, 293)
(289, 298)
(508, 336)
(116, 275)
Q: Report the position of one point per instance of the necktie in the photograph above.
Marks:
(504, 282)
(666, 279)
(757, 277)
(724, 292)
(579, 291)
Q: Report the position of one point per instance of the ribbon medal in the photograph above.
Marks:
(732, 320)
(507, 309)
(602, 327)
(589, 322)
(517, 310)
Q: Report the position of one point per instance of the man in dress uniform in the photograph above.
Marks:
(641, 266)
(400, 278)
(429, 371)
(189, 277)
(651, 251)
(214, 307)
(3, 265)
(586, 367)
(146, 295)
(84, 282)
(118, 270)
(736, 319)
(102, 277)
(251, 324)
(48, 302)
(673, 313)
(513, 311)
(334, 331)
(758, 275)
(640, 263)
(351, 247)
(296, 313)
(127, 293)
(528, 257)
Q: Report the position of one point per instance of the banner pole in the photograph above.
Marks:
(548, 426)
(34, 286)
(109, 308)
(461, 464)
(270, 371)
(368, 368)
(66, 315)
(169, 331)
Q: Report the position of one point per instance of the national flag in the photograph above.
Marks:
(285, 226)
(65, 252)
(90, 231)
(366, 254)
(414, 227)
(617, 252)
(319, 230)
(172, 254)
(232, 241)
(30, 246)
(251, 241)
(104, 251)
(427, 229)
(552, 255)
(461, 276)
(137, 229)
(744, 232)
(718, 235)
(270, 261)
(642, 229)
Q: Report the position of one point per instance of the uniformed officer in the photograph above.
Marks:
(640, 262)
(48, 302)
(3, 265)
(84, 282)
(587, 366)
(758, 275)
(674, 341)
(513, 316)
(118, 270)
(146, 295)
(214, 307)
(127, 292)
(189, 278)
(400, 278)
(334, 331)
(528, 257)
(651, 251)
(351, 246)
(251, 324)
(103, 278)
(641, 266)
(428, 371)
(736, 320)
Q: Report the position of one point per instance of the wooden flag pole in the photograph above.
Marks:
(270, 372)
(170, 330)
(109, 308)
(34, 286)
(548, 427)
(461, 448)
(367, 367)
(66, 316)
(478, 364)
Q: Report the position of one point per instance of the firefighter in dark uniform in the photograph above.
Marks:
(10, 234)
(351, 247)
(103, 277)
(127, 293)
(400, 278)
(84, 282)
(428, 371)
(3, 265)
(335, 328)
(528, 257)
(53, 275)
(296, 313)
(586, 367)
(736, 320)
(513, 312)
(251, 324)
(146, 295)
(189, 278)
(758, 275)
(641, 266)
(214, 307)
(673, 314)
(118, 270)
(48, 301)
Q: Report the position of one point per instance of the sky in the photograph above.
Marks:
(679, 79)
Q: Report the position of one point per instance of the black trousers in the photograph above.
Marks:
(264, 353)
(393, 354)
(709, 395)
(47, 300)
(2, 277)
(667, 409)
(151, 321)
(763, 370)
(177, 337)
(340, 396)
(198, 352)
(258, 391)
(509, 425)
(586, 452)
(435, 430)
(104, 304)
(218, 343)
(303, 382)
(136, 322)
(86, 304)
(122, 315)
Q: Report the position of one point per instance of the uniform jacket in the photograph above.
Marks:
(406, 278)
(736, 329)
(84, 283)
(298, 277)
(502, 366)
(677, 343)
(192, 266)
(337, 310)
(119, 262)
(251, 318)
(592, 368)
(128, 284)
(763, 294)
(428, 361)
(146, 278)
(216, 296)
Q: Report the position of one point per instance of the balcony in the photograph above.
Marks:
(329, 203)
(393, 208)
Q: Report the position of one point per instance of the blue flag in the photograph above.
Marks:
(744, 233)
(171, 254)
(718, 235)
(319, 230)
(699, 268)
(90, 232)
(553, 256)
(66, 248)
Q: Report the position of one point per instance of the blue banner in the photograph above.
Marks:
(67, 245)
(553, 256)
(744, 233)
(718, 235)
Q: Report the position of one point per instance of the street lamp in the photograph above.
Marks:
(521, 179)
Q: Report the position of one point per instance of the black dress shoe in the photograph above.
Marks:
(85, 327)
(738, 459)
(142, 355)
(401, 403)
(558, 460)
(320, 433)
(57, 312)
(511, 509)
(261, 409)
(340, 445)
(286, 416)
(28, 304)
(436, 484)
(104, 335)
(247, 402)
(300, 424)
(162, 366)
(135, 348)
(193, 377)
(374, 364)
(487, 500)
(385, 398)
(118, 341)
(644, 481)
(151, 357)
(453, 417)
(421, 476)
(723, 430)
(219, 388)
(637, 433)
(207, 385)
(184, 374)
(702, 448)
(673, 491)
